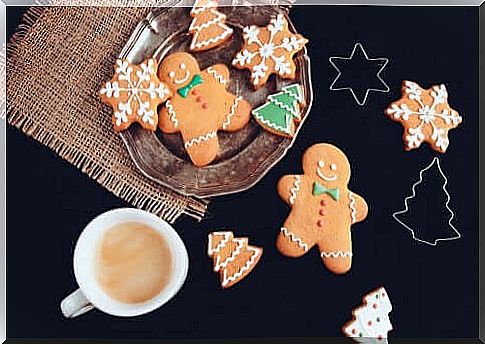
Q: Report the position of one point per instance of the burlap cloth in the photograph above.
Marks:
(56, 63)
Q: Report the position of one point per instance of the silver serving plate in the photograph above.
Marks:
(245, 156)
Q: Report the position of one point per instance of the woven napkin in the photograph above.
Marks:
(56, 63)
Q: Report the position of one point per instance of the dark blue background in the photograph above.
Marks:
(434, 289)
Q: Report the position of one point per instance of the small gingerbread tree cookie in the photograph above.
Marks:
(370, 321)
(322, 208)
(233, 258)
(200, 106)
(208, 27)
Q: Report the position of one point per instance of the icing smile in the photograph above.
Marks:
(324, 177)
(184, 79)
(333, 167)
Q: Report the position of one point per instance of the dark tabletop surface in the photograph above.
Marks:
(434, 290)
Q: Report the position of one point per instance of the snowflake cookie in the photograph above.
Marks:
(134, 93)
(425, 115)
(269, 50)
(233, 258)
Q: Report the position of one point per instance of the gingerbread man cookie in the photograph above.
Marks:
(425, 115)
(322, 208)
(134, 93)
(201, 105)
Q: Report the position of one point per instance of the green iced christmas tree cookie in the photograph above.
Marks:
(279, 114)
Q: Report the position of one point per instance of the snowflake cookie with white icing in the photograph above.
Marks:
(233, 258)
(425, 115)
(268, 50)
(322, 208)
(134, 93)
(200, 105)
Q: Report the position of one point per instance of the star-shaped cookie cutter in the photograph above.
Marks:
(382, 60)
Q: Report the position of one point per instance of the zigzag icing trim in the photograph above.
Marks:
(353, 210)
(200, 139)
(290, 109)
(222, 243)
(211, 40)
(271, 124)
(205, 25)
(171, 112)
(234, 254)
(216, 76)
(294, 238)
(336, 254)
(234, 105)
(294, 190)
(246, 267)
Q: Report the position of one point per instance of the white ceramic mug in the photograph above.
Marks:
(90, 295)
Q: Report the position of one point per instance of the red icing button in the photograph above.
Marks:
(322, 203)
(194, 92)
(354, 331)
(198, 99)
(369, 323)
(320, 223)
(204, 106)
(379, 337)
(321, 212)
(374, 306)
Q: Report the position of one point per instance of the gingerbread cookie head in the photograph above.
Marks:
(328, 164)
(178, 70)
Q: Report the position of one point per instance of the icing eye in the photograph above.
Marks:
(171, 74)
(333, 167)
(321, 164)
(183, 66)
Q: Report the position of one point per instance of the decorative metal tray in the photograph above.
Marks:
(245, 156)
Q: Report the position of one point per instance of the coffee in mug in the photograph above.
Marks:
(133, 262)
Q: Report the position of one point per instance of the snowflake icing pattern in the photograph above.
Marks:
(425, 115)
(134, 93)
(269, 50)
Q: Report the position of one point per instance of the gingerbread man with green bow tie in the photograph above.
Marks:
(200, 105)
(322, 208)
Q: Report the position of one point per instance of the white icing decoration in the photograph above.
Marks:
(220, 79)
(184, 79)
(324, 177)
(234, 105)
(426, 114)
(294, 238)
(370, 323)
(295, 189)
(272, 125)
(256, 253)
(335, 254)
(172, 113)
(353, 210)
(200, 139)
(268, 50)
(218, 21)
(448, 198)
(138, 87)
(239, 245)
(226, 237)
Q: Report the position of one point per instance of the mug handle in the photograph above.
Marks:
(75, 304)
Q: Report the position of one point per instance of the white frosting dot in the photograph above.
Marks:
(333, 167)
(321, 163)
(171, 74)
(183, 66)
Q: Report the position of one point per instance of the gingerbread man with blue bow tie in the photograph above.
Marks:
(322, 208)
(200, 105)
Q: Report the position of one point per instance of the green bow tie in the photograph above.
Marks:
(319, 189)
(196, 80)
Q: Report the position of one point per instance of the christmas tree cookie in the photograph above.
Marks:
(371, 320)
(208, 27)
(281, 112)
(233, 258)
